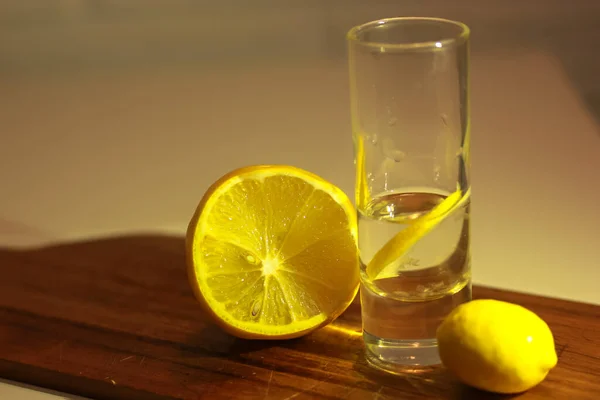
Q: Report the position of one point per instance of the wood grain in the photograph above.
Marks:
(115, 319)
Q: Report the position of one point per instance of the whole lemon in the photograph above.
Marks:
(496, 346)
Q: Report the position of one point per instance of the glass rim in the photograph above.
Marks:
(463, 36)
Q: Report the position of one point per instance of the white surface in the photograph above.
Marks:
(536, 159)
(94, 155)
(16, 391)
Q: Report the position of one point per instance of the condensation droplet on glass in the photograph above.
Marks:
(436, 172)
(398, 155)
(374, 139)
(390, 151)
(444, 120)
(385, 181)
(387, 165)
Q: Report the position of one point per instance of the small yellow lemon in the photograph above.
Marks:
(496, 346)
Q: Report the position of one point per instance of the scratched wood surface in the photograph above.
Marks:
(115, 319)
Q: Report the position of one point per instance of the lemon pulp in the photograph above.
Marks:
(272, 252)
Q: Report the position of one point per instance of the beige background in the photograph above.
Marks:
(116, 116)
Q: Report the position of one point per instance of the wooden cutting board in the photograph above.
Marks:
(115, 319)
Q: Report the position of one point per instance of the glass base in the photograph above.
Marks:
(400, 356)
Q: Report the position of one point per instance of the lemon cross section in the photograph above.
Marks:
(399, 244)
(272, 252)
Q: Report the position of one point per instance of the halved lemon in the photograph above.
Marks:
(272, 252)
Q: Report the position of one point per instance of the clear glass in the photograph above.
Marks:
(410, 120)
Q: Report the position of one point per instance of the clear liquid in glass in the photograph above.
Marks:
(405, 303)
